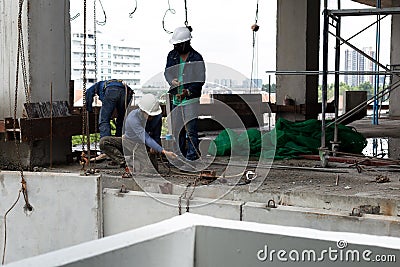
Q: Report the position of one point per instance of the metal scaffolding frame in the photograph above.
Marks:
(335, 16)
(380, 69)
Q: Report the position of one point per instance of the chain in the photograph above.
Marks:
(84, 79)
(191, 194)
(95, 77)
(180, 199)
(186, 20)
(20, 53)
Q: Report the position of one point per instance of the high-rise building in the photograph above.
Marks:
(115, 59)
(357, 62)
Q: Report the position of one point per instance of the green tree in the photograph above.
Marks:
(265, 88)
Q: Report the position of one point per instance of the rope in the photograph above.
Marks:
(5, 226)
(101, 23)
(172, 11)
(134, 10)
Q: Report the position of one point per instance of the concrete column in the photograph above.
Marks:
(298, 25)
(46, 36)
(46, 31)
(394, 101)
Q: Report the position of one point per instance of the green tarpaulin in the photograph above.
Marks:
(287, 140)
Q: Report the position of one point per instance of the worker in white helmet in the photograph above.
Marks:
(142, 131)
(185, 73)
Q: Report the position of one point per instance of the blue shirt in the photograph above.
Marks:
(137, 129)
(99, 88)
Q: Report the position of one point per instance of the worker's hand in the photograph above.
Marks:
(169, 154)
(175, 82)
(182, 96)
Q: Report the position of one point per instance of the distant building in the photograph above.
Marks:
(257, 83)
(116, 59)
(357, 62)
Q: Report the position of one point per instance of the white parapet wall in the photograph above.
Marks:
(322, 219)
(194, 240)
(66, 211)
(126, 211)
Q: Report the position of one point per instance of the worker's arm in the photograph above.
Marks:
(171, 68)
(89, 97)
(150, 142)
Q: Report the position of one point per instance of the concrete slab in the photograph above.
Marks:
(66, 211)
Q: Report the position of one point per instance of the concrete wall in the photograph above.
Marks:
(193, 240)
(66, 211)
(322, 219)
(126, 211)
(47, 51)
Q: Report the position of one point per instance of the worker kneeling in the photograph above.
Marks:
(137, 148)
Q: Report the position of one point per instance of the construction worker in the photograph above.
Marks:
(141, 137)
(114, 94)
(185, 73)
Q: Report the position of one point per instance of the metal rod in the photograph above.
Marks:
(316, 72)
(364, 54)
(376, 67)
(51, 124)
(324, 75)
(366, 28)
(335, 143)
(365, 11)
(269, 101)
(366, 103)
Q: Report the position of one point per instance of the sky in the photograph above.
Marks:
(221, 31)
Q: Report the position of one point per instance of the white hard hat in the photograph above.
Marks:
(181, 34)
(150, 105)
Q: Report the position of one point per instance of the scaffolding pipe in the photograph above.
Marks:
(330, 72)
(365, 55)
(366, 28)
(366, 103)
(324, 76)
(376, 67)
(365, 12)
(336, 142)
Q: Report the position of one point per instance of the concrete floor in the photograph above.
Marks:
(340, 186)
(386, 128)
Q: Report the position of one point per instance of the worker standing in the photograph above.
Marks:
(141, 137)
(185, 73)
(114, 94)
